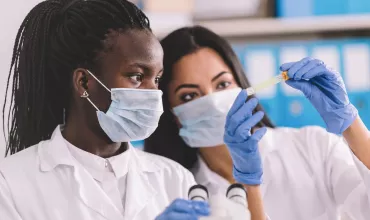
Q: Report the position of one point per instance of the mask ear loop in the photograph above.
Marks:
(98, 81)
(86, 96)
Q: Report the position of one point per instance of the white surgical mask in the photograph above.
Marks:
(203, 120)
(133, 114)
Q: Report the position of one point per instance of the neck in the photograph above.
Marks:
(218, 159)
(78, 133)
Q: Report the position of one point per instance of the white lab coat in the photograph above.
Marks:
(44, 182)
(309, 174)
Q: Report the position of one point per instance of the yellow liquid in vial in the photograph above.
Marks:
(270, 82)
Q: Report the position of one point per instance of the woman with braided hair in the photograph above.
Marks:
(84, 80)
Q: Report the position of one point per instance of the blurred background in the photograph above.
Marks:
(267, 33)
(264, 34)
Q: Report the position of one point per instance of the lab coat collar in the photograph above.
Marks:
(139, 190)
(95, 165)
(205, 176)
(142, 162)
(55, 152)
(120, 163)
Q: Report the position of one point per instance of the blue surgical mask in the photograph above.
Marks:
(203, 120)
(133, 114)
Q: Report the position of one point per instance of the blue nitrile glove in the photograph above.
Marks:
(326, 91)
(181, 209)
(243, 145)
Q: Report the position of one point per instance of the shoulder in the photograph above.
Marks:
(22, 168)
(24, 160)
(305, 129)
(309, 135)
(318, 136)
(312, 142)
(314, 131)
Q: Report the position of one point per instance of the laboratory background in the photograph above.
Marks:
(264, 34)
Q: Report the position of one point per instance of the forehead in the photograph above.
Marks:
(203, 64)
(133, 46)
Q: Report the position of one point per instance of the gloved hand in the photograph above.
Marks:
(243, 145)
(326, 91)
(181, 209)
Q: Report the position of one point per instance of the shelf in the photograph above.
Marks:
(164, 23)
(287, 26)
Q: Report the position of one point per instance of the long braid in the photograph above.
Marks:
(55, 38)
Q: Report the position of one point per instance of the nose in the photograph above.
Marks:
(149, 84)
(207, 91)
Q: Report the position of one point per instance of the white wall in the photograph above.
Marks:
(12, 14)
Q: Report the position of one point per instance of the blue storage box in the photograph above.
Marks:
(260, 64)
(288, 107)
(304, 8)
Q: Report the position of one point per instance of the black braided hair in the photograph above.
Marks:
(55, 38)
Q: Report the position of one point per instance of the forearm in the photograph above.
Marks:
(358, 139)
(255, 203)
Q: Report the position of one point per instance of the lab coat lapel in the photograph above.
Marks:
(93, 196)
(139, 191)
(54, 153)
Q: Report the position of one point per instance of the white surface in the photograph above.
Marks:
(164, 23)
(223, 208)
(177, 6)
(11, 16)
(260, 65)
(272, 26)
(224, 9)
(357, 67)
(329, 54)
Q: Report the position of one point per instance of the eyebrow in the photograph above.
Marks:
(196, 86)
(139, 65)
(186, 86)
(219, 75)
(144, 67)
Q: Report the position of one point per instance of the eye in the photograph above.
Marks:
(157, 80)
(223, 85)
(188, 96)
(137, 78)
